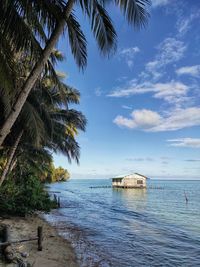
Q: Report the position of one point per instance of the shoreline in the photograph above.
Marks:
(57, 251)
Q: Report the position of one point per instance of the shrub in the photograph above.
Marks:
(24, 196)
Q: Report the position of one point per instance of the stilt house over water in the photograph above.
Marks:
(135, 180)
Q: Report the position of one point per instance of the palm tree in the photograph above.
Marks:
(10, 158)
(101, 25)
(45, 122)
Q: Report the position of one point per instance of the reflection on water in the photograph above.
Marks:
(131, 227)
(130, 198)
(130, 194)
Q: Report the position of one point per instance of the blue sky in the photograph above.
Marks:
(143, 103)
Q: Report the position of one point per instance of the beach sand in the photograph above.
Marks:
(56, 252)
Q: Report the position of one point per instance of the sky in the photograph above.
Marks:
(143, 103)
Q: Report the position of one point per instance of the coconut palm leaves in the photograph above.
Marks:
(22, 24)
(77, 41)
(46, 123)
(46, 110)
(135, 11)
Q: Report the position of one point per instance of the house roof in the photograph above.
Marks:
(122, 176)
(141, 175)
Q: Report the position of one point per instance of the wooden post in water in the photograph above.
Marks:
(55, 198)
(186, 199)
(58, 202)
(40, 237)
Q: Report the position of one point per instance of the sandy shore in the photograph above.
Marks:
(56, 252)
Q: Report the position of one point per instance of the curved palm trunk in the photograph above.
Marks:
(10, 158)
(37, 69)
(12, 164)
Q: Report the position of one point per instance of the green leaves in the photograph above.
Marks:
(101, 25)
(103, 29)
(77, 41)
(47, 120)
(30, 119)
(60, 174)
(135, 11)
(24, 196)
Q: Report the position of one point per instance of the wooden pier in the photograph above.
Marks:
(103, 186)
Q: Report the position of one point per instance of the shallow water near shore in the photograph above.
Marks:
(130, 227)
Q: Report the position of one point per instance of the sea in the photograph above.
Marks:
(130, 227)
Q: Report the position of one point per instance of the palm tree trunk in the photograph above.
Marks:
(10, 158)
(12, 164)
(36, 71)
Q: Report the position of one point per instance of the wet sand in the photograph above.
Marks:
(56, 252)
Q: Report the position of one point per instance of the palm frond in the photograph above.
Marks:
(22, 39)
(5, 104)
(77, 41)
(70, 117)
(56, 92)
(6, 77)
(32, 123)
(43, 112)
(66, 144)
(102, 28)
(135, 11)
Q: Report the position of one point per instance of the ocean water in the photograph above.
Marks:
(130, 227)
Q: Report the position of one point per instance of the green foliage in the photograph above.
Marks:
(24, 196)
(60, 174)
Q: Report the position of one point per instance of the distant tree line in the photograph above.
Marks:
(58, 174)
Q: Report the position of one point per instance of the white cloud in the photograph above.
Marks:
(98, 91)
(129, 63)
(124, 122)
(185, 23)
(139, 119)
(141, 159)
(189, 70)
(157, 3)
(171, 92)
(146, 118)
(131, 51)
(185, 142)
(170, 50)
(179, 119)
(126, 107)
(152, 121)
(128, 54)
